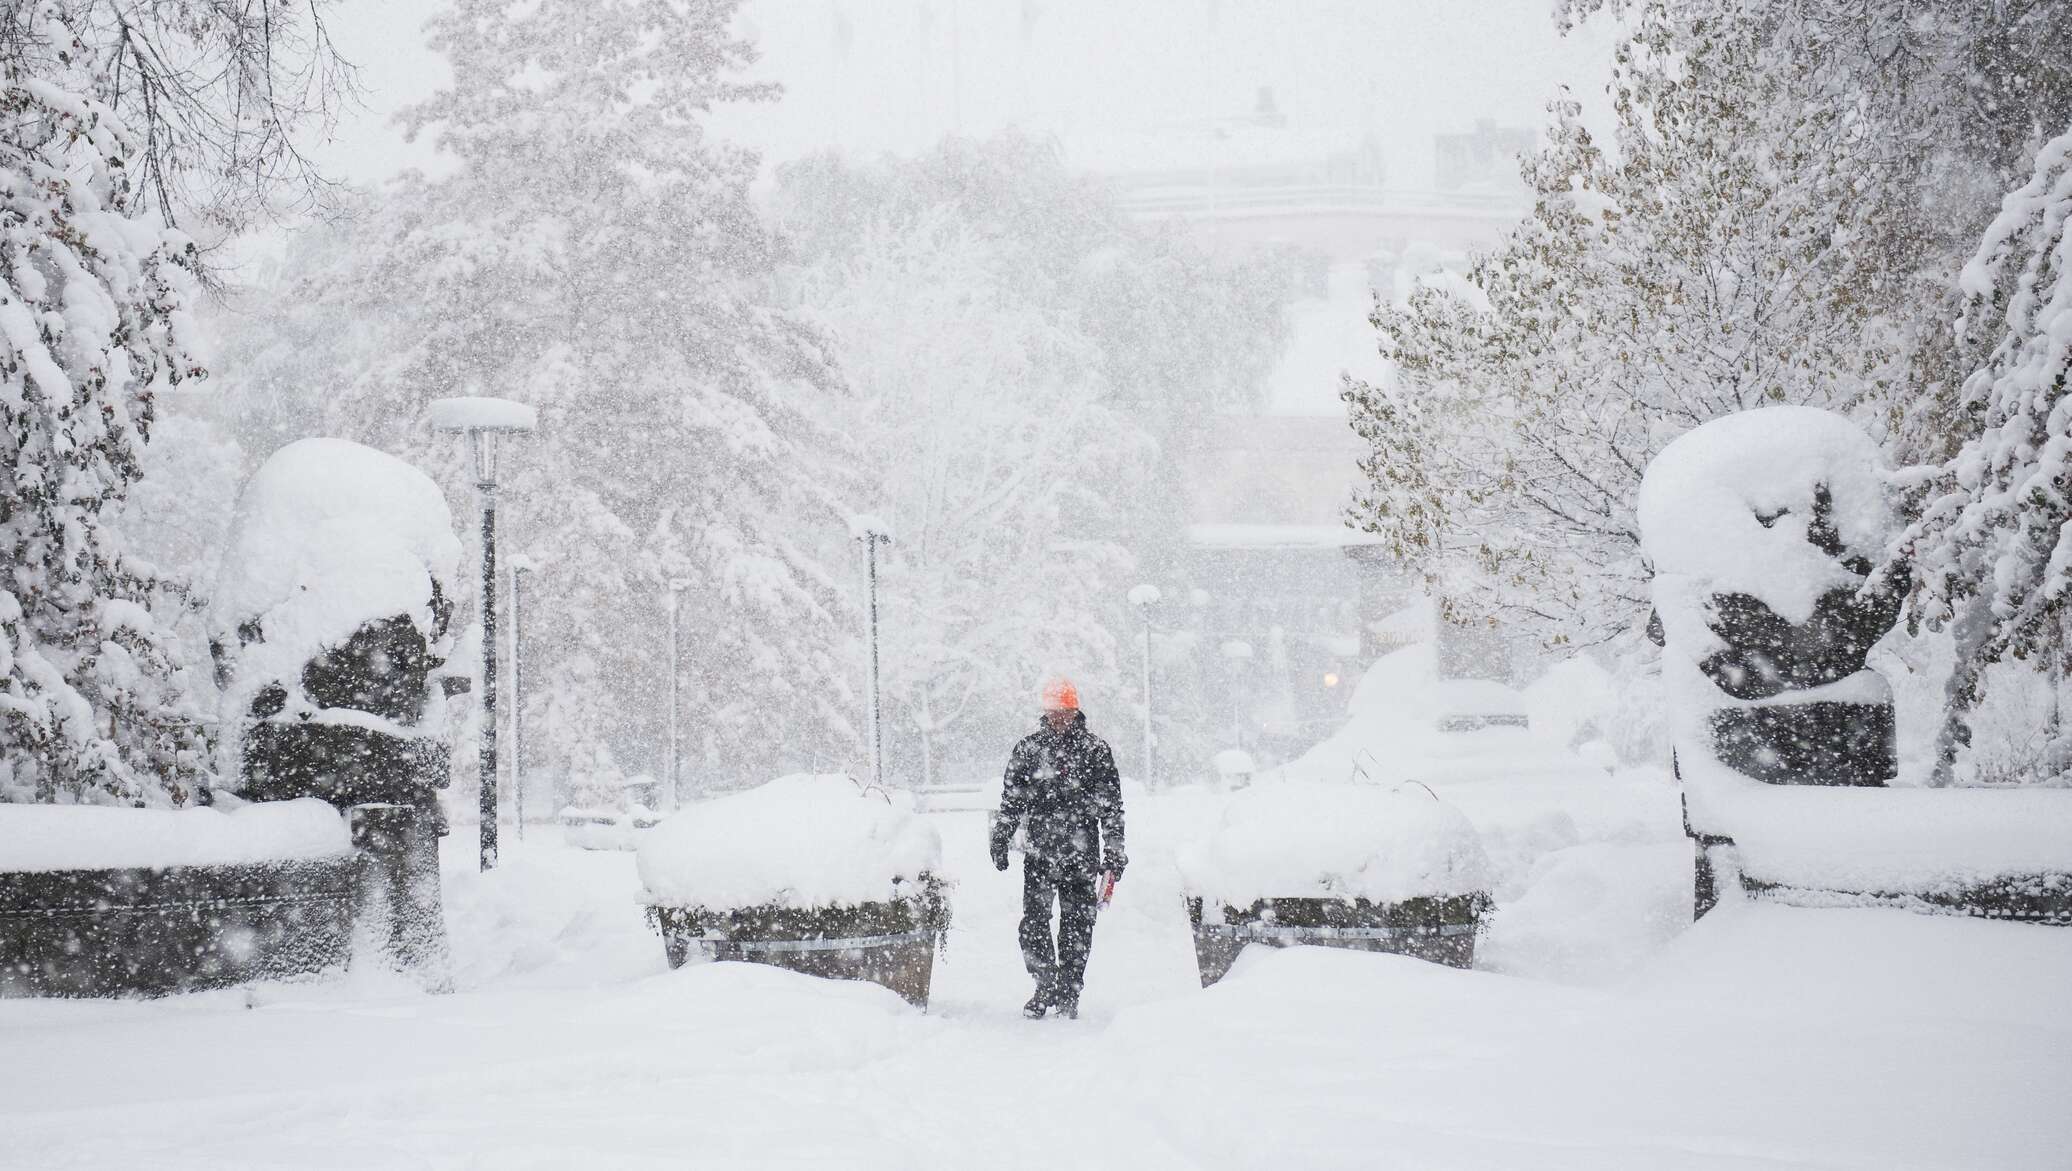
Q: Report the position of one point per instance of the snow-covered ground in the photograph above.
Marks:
(1766, 1036)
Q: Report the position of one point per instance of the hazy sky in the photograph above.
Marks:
(894, 75)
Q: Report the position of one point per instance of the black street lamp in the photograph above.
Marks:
(871, 531)
(482, 420)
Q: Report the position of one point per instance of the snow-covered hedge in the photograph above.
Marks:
(1726, 508)
(799, 841)
(330, 535)
(92, 837)
(1308, 839)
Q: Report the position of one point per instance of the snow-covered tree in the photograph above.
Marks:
(994, 440)
(117, 119)
(1700, 265)
(1026, 362)
(594, 252)
(1992, 553)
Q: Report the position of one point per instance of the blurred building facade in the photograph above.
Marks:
(1285, 604)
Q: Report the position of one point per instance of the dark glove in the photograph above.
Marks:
(999, 857)
(1113, 863)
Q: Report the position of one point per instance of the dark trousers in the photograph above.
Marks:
(1060, 971)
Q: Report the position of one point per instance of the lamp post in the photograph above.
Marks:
(677, 585)
(482, 420)
(1144, 597)
(871, 531)
(520, 566)
(1238, 652)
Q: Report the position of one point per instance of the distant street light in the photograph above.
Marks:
(677, 585)
(1144, 597)
(520, 567)
(482, 420)
(1238, 652)
(871, 531)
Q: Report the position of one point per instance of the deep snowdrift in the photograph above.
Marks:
(1764, 1037)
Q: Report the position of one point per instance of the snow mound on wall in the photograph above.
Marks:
(329, 535)
(94, 837)
(1307, 839)
(798, 841)
(1873, 840)
(1705, 497)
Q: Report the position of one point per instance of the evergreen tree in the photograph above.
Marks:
(594, 253)
(118, 118)
(1992, 550)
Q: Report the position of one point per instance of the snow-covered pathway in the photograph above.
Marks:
(1765, 1037)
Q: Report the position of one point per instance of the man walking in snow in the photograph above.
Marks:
(1062, 778)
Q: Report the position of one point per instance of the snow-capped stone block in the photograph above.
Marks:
(482, 413)
(814, 873)
(1337, 865)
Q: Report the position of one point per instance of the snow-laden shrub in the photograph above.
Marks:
(798, 841)
(1309, 839)
(329, 536)
(1731, 507)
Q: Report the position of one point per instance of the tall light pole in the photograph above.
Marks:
(1144, 597)
(1238, 652)
(677, 585)
(871, 531)
(482, 420)
(520, 566)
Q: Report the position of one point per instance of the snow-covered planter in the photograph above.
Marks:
(810, 873)
(1337, 865)
(98, 901)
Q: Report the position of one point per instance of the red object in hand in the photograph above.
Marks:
(1107, 887)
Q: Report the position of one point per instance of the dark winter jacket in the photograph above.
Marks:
(1065, 783)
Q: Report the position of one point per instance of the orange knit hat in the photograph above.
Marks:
(1060, 696)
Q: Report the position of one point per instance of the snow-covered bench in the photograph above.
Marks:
(811, 873)
(98, 901)
(1333, 864)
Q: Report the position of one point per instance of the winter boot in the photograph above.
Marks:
(1037, 1004)
(1067, 1007)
